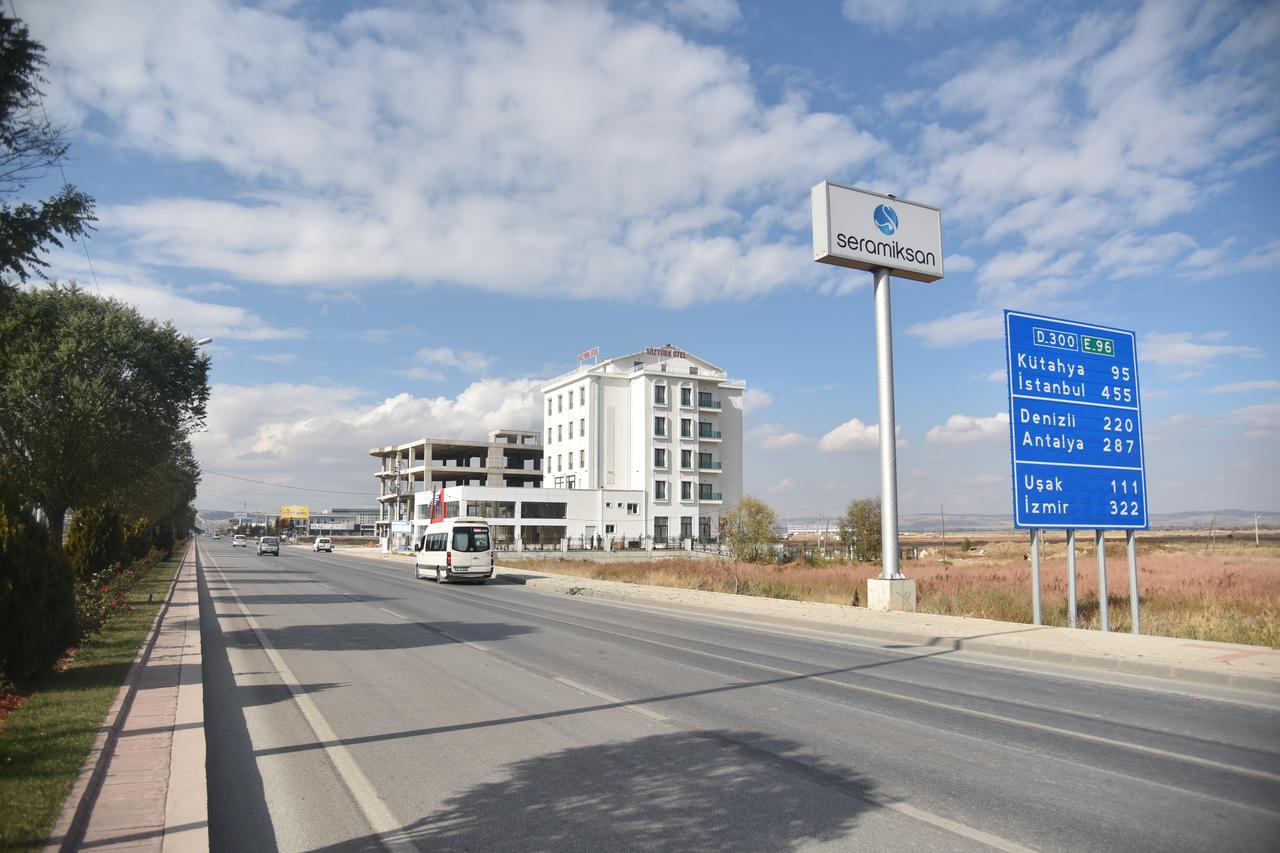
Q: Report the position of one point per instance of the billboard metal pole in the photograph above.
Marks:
(1071, 578)
(1133, 579)
(1036, 618)
(888, 444)
(1100, 545)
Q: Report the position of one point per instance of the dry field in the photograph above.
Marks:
(1228, 594)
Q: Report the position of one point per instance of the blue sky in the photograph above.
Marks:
(395, 219)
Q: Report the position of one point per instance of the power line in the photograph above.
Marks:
(83, 244)
(282, 485)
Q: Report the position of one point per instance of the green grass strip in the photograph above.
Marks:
(44, 743)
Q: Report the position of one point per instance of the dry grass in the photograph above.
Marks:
(1231, 594)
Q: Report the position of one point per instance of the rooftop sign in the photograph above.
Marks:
(866, 231)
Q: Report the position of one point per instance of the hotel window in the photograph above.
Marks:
(548, 405)
(693, 371)
(571, 399)
(660, 527)
(571, 428)
(660, 426)
(686, 428)
(559, 462)
(582, 395)
(582, 426)
(704, 491)
(660, 395)
(582, 458)
(686, 527)
(659, 458)
(686, 458)
(633, 509)
(560, 433)
(659, 490)
(686, 490)
(548, 435)
(686, 397)
(570, 460)
(559, 402)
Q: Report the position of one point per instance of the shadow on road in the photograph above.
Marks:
(375, 636)
(302, 598)
(711, 790)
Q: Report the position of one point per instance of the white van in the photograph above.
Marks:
(454, 549)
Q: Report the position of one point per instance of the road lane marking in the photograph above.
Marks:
(888, 694)
(375, 811)
(392, 613)
(613, 700)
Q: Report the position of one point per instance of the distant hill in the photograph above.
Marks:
(927, 522)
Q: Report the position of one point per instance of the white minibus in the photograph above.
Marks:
(454, 549)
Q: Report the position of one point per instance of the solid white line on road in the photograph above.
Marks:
(613, 700)
(392, 613)
(375, 811)
(444, 634)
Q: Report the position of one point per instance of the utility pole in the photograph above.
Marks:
(1255, 530)
(942, 510)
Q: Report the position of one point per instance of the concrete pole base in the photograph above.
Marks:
(891, 594)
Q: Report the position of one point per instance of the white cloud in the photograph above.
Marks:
(756, 399)
(1186, 350)
(1260, 422)
(160, 301)
(320, 435)
(711, 14)
(775, 437)
(1247, 385)
(959, 263)
(471, 362)
(896, 14)
(1000, 376)
(963, 328)
(853, 436)
(278, 357)
(967, 429)
(786, 484)
(514, 147)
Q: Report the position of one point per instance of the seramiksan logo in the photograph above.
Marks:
(886, 219)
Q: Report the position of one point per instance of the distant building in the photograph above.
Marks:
(344, 521)
(644, 446)
(510, 458)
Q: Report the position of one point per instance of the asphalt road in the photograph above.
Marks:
(352, 707)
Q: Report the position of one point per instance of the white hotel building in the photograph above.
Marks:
(660, 421)
(644, 447)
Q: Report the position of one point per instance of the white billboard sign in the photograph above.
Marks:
(865, 231)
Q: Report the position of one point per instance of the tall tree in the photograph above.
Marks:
(860, 528)
(29, 148)
(748, 528)
(92, 397)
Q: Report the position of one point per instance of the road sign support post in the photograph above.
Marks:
(1133, 579)
(885, 236)
(1100, 545)
(888, 445)
(1036, 616)
(1071, 578)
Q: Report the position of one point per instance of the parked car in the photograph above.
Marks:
(269, 545)
(322, 543)
(239, 541)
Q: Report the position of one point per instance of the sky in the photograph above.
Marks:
(395, 220)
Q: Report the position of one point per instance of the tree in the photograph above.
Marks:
(860, 528)
(92, 398)
(748, 528)
(29, 148)
(37, 604)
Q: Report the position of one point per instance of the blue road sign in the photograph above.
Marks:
(1075, 425)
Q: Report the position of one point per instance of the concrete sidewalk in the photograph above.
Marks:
(1240, 667)
(143, 786)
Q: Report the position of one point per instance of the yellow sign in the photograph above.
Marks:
(295, 513)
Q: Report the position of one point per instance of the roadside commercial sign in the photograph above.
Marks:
(1075, 425)
(402, 527)
(295, 512)
(867, 231)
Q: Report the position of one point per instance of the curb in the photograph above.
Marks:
(1187, 674)
(69, 829)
